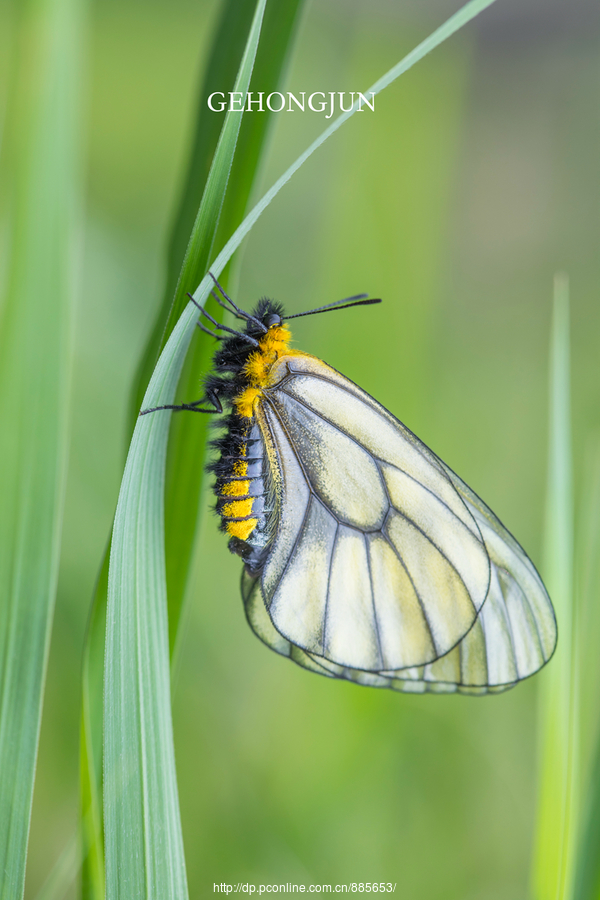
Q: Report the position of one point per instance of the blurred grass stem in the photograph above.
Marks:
(41, 157)
(557, 812)
(587, 871)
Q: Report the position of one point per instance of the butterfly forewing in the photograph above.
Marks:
(397, 567)
(385, 569)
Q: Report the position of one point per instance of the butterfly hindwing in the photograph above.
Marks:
(520, 611)
(463, 670)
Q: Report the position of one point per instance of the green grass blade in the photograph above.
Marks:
(143, 844)
(272, 60)
(587, 872)
(144, 855)
(556, 803)
(187, 445)
(90, 747)
(222, 71)
(587, 875)
(139, 814)
(42, 162)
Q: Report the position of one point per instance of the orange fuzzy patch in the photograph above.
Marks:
(236, 488)
(256, 367)
(274, 344)
(276, 340)
(245, 401)
(237, 509)
(242, 530)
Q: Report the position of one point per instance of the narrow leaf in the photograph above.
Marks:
(144, 851)
(556, 814)
(587, 874)
(42, 162)
(143, 843)
(90, 747)
(227, 55)
(272, 61)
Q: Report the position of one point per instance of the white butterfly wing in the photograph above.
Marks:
(518, 618)
(383, 559)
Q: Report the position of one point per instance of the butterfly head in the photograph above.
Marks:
(266, 316)
(272, 320)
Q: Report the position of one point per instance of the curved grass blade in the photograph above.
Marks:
(143, 843)
(142, 830)
(222, 71)
(232, 53)
(42, 156)
(556, 803)
(139, 814)
(272, 60)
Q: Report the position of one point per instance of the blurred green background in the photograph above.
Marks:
(456, 201)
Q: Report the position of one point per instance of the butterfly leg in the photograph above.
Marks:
(210, 397)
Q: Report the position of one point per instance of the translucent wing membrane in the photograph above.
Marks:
(386, 569)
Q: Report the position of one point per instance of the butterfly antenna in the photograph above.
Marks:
(240, 313)
(340, 304)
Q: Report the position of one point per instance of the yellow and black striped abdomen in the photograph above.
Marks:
(245, 497)
(236, 506)
(242, 500)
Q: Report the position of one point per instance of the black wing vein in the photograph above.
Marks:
(325, 610)
(372, 586)
(417, 595)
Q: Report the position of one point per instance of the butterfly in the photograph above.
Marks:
(366, 558)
